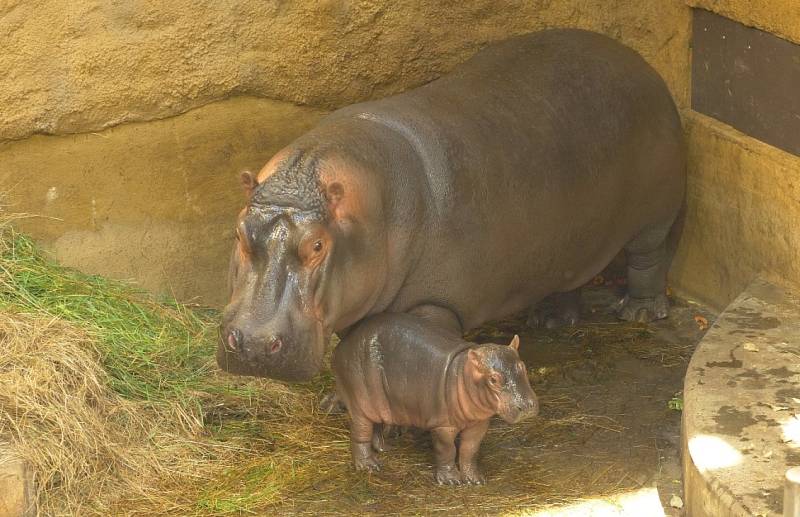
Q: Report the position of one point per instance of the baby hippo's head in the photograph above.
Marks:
(501, 380)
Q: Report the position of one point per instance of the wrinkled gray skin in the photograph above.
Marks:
(396, 369)
(519, 175)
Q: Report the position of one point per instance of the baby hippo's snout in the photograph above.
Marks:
(527, 407)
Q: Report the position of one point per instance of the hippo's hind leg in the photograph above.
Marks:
(557, 310)
(361, 433)
(648, 263)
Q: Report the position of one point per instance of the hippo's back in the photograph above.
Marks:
(544, 155)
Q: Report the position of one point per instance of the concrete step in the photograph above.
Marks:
(741, 417)
(16, 486)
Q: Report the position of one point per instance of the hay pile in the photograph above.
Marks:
(116, 402)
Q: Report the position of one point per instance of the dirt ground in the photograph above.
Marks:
(605, 428)
(617, 379)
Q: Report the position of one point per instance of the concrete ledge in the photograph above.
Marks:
(741, 418)
(17, 497)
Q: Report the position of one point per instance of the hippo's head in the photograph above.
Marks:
(301, 267)
(501, 380)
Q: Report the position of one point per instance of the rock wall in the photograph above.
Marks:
(124, 124)
(152, 202)
(743, 195)
(73, 66)
(123, 193)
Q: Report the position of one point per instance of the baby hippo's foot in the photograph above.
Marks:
(643, 309)
(364, 457)
(471, 475)
(448, 475)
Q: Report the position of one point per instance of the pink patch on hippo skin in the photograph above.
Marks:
(272, 165)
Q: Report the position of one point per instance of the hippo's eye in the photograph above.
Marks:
(318, 246)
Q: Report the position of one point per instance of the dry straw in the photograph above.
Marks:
(115, 401)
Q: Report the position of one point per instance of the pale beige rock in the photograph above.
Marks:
(83, 65)
(780, 17)
(146, 194)
(154, 202)
(743, 212)
(16, 487)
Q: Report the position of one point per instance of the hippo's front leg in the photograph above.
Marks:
(444, 449)
(361, 429)
(468, 453)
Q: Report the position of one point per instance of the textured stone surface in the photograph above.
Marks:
(743, 212)
(780, 17)
(743, 195)
(16, 487)
(155, 201)
(77, 66)
(741, 417)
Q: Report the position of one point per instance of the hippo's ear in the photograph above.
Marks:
(334, 194)
(515, 343)
(249, 183)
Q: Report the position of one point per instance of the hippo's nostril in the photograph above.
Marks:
(275, 345)
(235, 340)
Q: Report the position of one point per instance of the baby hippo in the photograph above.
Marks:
(399, 370)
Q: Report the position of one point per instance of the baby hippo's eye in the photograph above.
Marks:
(494, 380)
(318, 246)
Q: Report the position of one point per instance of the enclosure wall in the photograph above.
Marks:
(124, 125)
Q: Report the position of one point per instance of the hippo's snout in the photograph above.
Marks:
(235, 342)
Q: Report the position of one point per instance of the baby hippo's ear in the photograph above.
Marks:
(515, 343)
(475, 364)
(474, 357)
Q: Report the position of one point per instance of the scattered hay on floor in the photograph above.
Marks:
(116, 402)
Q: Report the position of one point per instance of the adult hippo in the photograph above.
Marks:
(520, 174)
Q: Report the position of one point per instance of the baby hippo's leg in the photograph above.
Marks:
(361, 431)
(444, 450)
(468, 453)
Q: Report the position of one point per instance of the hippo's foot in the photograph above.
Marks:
(331, 404)
(448, 475)
(555, 311)
(471, 475)
(364, 457)
(643, 309)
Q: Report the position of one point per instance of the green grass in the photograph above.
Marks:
(152, 351)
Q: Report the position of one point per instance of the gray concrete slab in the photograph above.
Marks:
(741, 419)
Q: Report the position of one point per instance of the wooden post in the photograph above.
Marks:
(791, 493)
